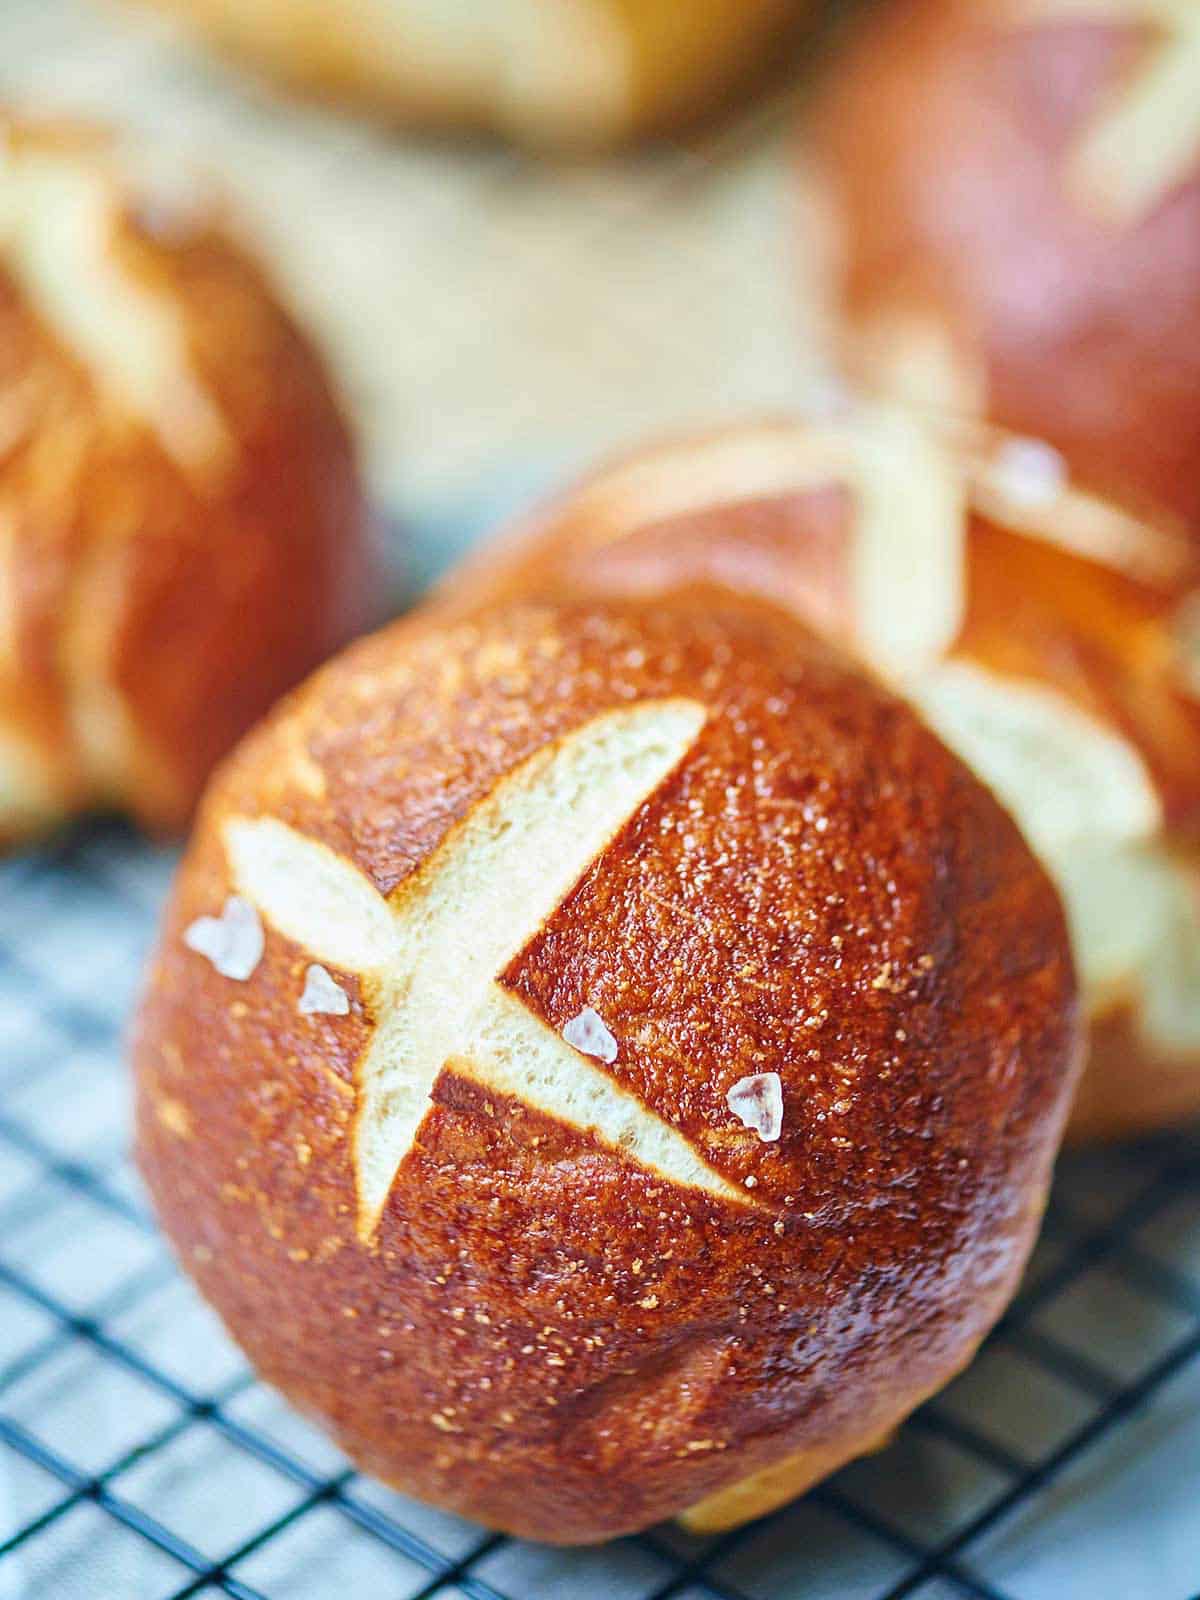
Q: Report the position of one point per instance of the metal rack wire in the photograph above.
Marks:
(139, 1458)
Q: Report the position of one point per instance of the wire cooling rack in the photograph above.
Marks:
(494, 322)
(141, 1460)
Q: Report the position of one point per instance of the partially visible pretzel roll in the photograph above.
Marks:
(182, 531)
(1051, 638)
(597, 1053)
(547, 72)
(1013, 188)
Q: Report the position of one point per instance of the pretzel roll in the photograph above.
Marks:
(557, 73)
(598, 1055)
(182, 532)
(1014, 191)
(1050, 637)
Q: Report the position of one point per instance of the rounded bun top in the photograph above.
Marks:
(944, 554)
(1048, 635)
(185, 531)
(685, 982)
(1014, 194)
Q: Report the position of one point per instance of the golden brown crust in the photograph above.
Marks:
(1115, 640)
(163, 576)
(955, 138)
(763, 1492)
(1118, 640)
(688, 58)
(576, 74)
(543, 1334)
(1130, 1088)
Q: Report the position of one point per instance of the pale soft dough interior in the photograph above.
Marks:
(432, 957)
(1145, 141)
(57, 218)
(914, 356)
(1067, 778)
(1135, 913)
(567, 65)
(312, 895)
(563, 67)
(910, 498)
(1087, 805)
(521, 1057)
(912, 484)
(909, 545)
(104, 730)
(749, 464)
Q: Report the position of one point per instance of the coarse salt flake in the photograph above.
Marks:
(826, 396)
(171, 201)
(588, 1034)
(757, 1102)
(322, 995)
(1029, 473)
(232, 942)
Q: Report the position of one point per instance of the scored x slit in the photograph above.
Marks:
(1145, 139)
(430, 955)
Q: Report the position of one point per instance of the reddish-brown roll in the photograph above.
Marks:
(604, 1061)
(1051, 637)
(182, 529)
(1014, 196)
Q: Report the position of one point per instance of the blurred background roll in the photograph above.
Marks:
(1013, 188)
(182, 530)
(551, 73)
(1048, 636)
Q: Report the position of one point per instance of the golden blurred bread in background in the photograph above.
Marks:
(182, 529)
(1013, 189)
(555, 73)
(1050, 637)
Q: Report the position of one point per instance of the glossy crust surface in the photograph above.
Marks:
(542, 1333)
(1014, 191)
(182, 530)
(554, 73)
(1065, 669)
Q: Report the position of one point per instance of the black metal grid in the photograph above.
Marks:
(131, 1495)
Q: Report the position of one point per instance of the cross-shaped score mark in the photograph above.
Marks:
(1081, 788)
(1146, 139)
(914, 483)
(430, 956)
(906, 561)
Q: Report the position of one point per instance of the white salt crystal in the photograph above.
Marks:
(587, 1033)
(757, 1102)
(233, 942)
(1029, 473)
(322, 995)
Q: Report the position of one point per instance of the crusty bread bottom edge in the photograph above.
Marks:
(1131, 1090)
(765, 1491)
